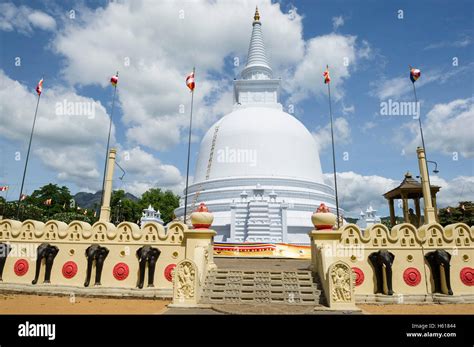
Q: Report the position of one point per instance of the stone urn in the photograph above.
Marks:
(322, 218)
(201, 218)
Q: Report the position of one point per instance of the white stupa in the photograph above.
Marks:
(258, 168)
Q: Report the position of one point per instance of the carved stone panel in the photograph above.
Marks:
(341, 286)
(185, 283)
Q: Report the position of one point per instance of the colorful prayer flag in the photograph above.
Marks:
(190, 81)
(414, 74)
(39, 87)
(3, 188)
(327, 79)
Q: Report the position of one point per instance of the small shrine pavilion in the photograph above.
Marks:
(410, 188)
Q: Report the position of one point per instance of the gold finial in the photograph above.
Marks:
(257, 15)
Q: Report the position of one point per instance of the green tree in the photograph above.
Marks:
(166, 202)
(123, 208)
(463, 213)
(60, 199)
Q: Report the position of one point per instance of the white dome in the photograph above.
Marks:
(259, 142)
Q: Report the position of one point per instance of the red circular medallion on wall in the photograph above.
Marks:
(69, 269)
(467, 276)
(121, 271)
(169, 272)
(412, 276)
(359, 276)
(21, 267)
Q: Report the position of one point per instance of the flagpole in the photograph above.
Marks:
(333, 153)
(108, 144)
(27, 156)
(422, 137)
(189, 153)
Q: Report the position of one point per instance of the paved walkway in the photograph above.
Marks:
(243, 309)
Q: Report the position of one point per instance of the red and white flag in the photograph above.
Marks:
(326, 76)
(48, 202)
(114, 80)
(190, 81)
(23, 197)
(3, 188)
(39, 87)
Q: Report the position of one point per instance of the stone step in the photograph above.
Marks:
(257, 286)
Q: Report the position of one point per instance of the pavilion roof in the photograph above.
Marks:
(409, 188)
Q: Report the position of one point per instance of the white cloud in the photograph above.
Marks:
(340, 52)
(347, 110)
(337, 22)
(137, 162)
(64, 142)
(447, 128)
(459, 43)
(398, 87)
(162, 44)
(24, 19)
(452, 192)
(73, 145)
(368, 125)
(356, 191)
(342, 132)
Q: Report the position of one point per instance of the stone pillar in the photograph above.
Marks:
(406, 216)
(418, 211)
(435, 208)
(232, 221)
(392, 212)
(430, 216)
(105, 208)
(200, 249)
(284, 222)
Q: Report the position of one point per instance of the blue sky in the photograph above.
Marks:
(164, 40)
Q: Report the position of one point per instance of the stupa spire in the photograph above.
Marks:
(257, 66)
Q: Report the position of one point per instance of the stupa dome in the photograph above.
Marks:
(259, 142)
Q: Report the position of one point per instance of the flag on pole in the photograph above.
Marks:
(48, 202)
(190, 81)
(327, 79)
(23, 197)
(114, 80)
(3, 188)
(39, 87)
(414, 74)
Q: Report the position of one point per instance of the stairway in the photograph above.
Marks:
(230, 286)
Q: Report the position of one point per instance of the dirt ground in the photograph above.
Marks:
(418, 309)
(35, 304)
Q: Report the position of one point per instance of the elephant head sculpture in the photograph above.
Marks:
(150, 255)
(5, 249)
(382, 261)
(98, 254)
(439, 263)
(48, 253)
